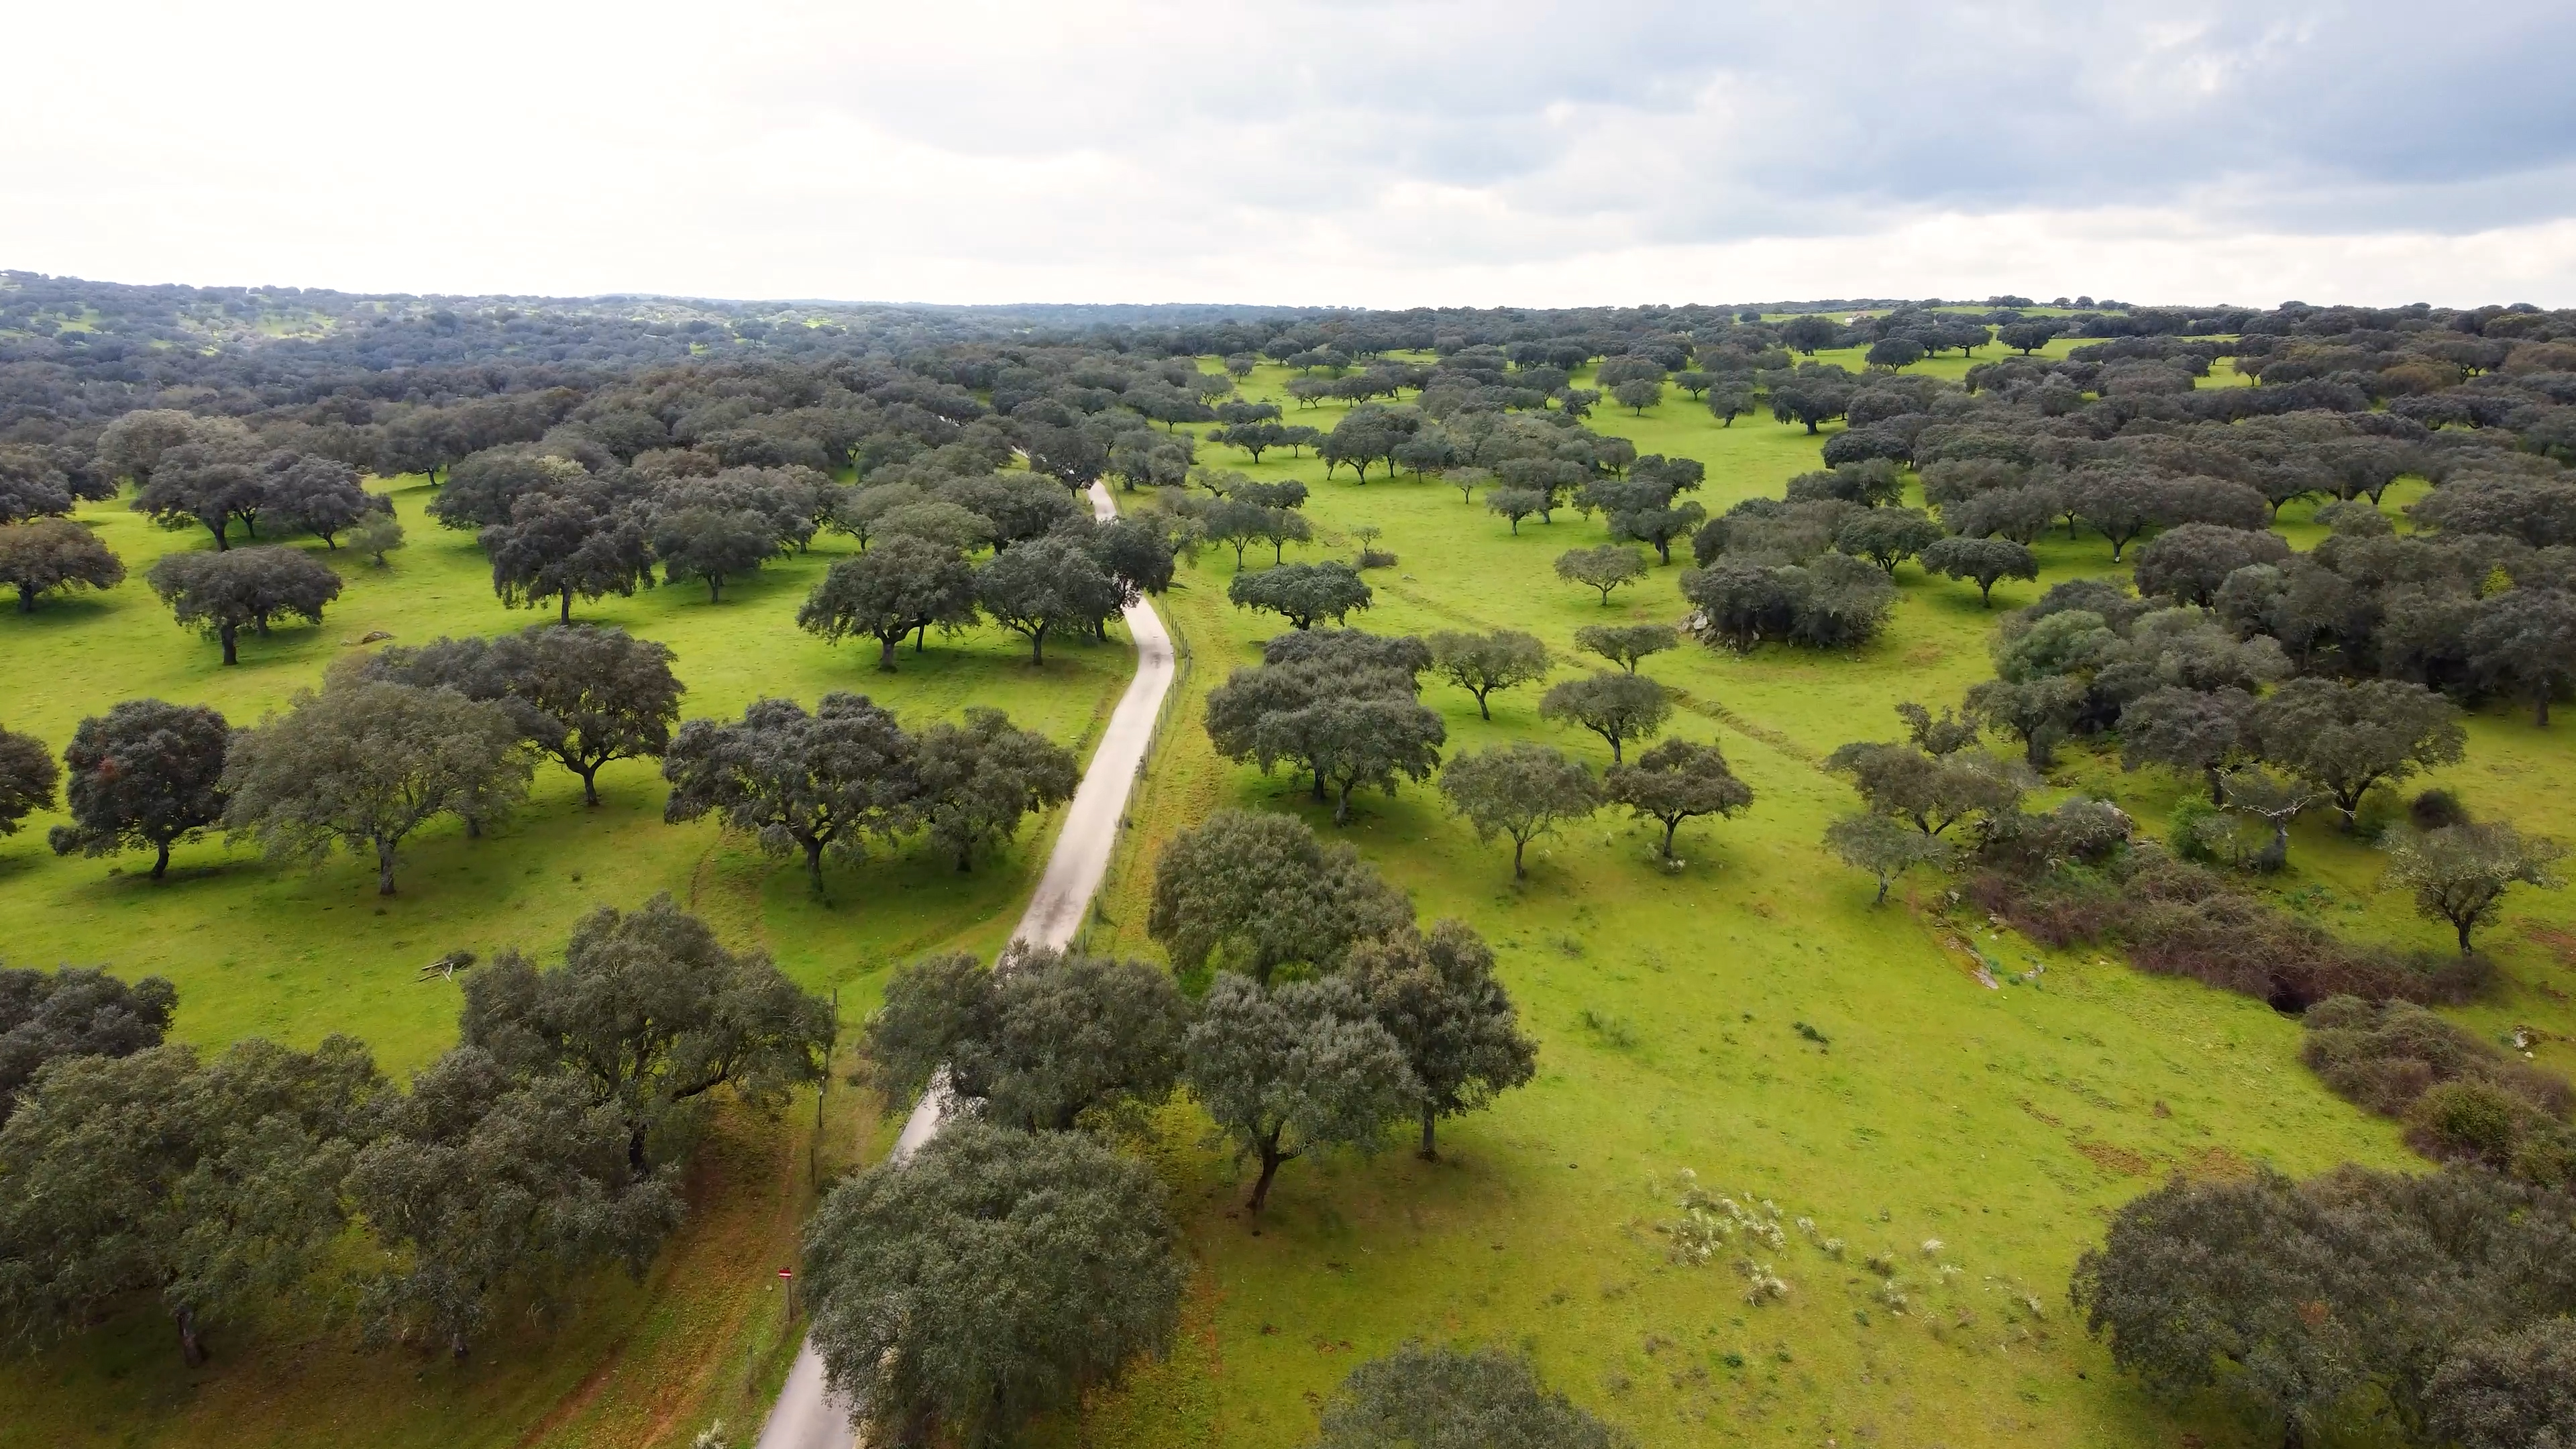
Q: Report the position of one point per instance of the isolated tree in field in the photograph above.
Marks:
(1258, 892)
(1929, 792)
(1657, 526)
(144, 776)
(2346, 738)
(1438, 1397)
(1884, 847)
(1638, 394)
(559, 543)
(2039, 712)
(376, 535)
(487, 1189)
(1605, 567)
(713, 544)
(2459, 873)
(1302, 593)
(1483, 663)
(1280, 527)
(799, 783)
(1728, 401)
(321, 496)
(2523, 642)
(588, 696)
(1676, 781)
(1516, 503)
(363, 764)
(77, 1011)
(2188, 729)
(1046, 1042)
(1460, 1035)
(1617, 707)
(1887, 536)
(211, 1186)
(2275, 800)
(1520, 790)
(900, 586)
(1289, 1071)
(1045, 585)
(54, 553)
(206, 482)
(1984, 562)
(1467, 481)
(28, 775)
(221, 594)
(653, 1010)
(1627, 644)
(995, 1276)
(1894, 352)
(976, 782)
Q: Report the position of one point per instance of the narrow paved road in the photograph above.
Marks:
(807, 1417)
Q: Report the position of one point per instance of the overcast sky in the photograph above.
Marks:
(1302, 151)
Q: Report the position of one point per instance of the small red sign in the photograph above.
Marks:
(784, 1273)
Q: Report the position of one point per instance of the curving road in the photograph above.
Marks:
(806, 1416)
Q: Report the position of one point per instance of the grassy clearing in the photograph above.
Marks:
(296, 954)
(2004, 1123)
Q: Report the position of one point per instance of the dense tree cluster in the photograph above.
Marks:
(544, 1147)
(807, 784)
(1341, 706)
(2440, 1301)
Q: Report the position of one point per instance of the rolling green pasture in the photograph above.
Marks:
(294, 954)
(1916, 1105)
(2004, 1123)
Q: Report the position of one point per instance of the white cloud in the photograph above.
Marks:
(1300, 151)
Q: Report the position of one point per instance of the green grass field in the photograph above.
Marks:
(2006, 1123)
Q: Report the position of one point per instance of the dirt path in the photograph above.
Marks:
(807, 1417)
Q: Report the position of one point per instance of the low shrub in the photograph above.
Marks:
(2180, 919)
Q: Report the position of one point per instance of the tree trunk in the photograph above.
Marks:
(192, 1349)
(921, 638)
(635, 1151)
(2540, 711)
(590, 785)
(2217, 785)
(161, 863)
(2464, 925)
(217, 529)
(715, 588)
(885, 652)
(228, 634)
(814, 864)
(1037, 647)
(1518, 845)
(1271, 1157)
(565, 616)
(1669, 827)
(384, 867)
(1429, 1152)
(1883, 883)
(26, 598)
(1481, 708)
(1342, 803)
